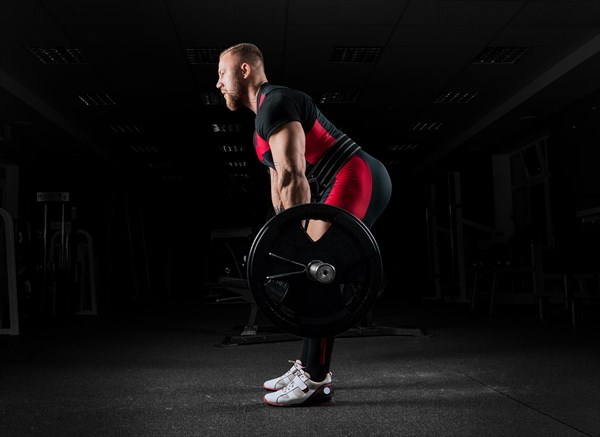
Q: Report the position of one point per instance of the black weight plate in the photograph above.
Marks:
(297, 303)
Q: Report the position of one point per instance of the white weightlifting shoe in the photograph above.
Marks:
(302, 391)
(280, 382)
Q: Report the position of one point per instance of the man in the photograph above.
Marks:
(301, 148)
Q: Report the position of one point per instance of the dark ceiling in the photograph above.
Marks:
(129, 85)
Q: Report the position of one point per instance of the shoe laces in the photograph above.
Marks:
(297, 368)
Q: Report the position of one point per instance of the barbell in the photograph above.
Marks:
(314, 288)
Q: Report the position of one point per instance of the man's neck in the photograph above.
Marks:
(255, 90)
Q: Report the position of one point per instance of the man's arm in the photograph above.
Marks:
(275, 199)
(289, 185)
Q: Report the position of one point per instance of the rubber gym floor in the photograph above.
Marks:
(177, 370)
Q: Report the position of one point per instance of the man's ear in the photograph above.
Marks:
(246, 69)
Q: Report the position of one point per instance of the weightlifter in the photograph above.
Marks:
(309, 160)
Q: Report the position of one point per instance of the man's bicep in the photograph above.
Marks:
(287, 145)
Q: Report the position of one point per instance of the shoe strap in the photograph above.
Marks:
(299, 382)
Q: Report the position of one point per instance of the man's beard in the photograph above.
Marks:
(232, 99)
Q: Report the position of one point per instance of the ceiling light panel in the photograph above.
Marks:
(406, 147)
(144, 149)
(232, 148)
(456, 97)
(236, 164)
(97, 99)
(59, 55)
(356, 55)
(426, 126)
(226, 128)
(159, 165)
(203, 55)
(126, 128)
(499, 55)
(348, 96)
(172, 178)
(212, 99)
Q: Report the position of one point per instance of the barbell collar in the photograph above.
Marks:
(321, 272)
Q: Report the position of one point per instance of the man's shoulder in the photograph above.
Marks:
(281, 90)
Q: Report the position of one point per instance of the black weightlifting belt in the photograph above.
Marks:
(322, 174)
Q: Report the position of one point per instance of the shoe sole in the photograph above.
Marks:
(323, 395)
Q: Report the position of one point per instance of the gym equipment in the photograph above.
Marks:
(84, 273)
(8, 270)
(55, 280)
(68, 282)
(315, 288)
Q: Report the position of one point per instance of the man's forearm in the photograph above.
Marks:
(296, 192)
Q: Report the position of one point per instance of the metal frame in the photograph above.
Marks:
(11, 270)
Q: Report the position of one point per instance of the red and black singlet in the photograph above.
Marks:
(362, 186)
(279, 105)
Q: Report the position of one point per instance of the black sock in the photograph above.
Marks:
(316, 356)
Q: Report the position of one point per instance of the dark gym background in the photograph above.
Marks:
(131, 196)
